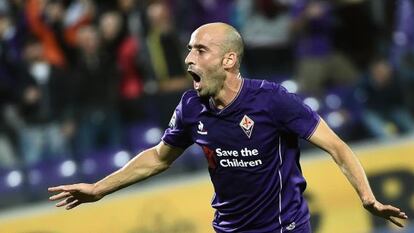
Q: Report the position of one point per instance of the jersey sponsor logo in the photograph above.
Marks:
(173, 121)
(291, 226)
(240, 163)
(231, 158)
(201, 130)
(247, 125)
(238, 158)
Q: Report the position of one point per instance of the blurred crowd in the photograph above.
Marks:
(77, 75)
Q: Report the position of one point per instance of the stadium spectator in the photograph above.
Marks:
(164, 50)
(384, 102)
(112, 32)
(132, 17)
(96, 81)
(43, 106)
(357, 39)
(8, 139)
(56, 27)
(117, 40)
(42, 27)
(8, 157)
(77, 14)
(266, 28)
(319, 64)
(12, 37)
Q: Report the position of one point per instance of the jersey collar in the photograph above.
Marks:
(232, 103)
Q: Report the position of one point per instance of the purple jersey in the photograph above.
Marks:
(253, 155)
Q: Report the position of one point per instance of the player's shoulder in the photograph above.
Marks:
(190, 97)
(191, 104)
(264, 86)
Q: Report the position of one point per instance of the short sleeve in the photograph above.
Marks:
(291, 114)
(177, 133)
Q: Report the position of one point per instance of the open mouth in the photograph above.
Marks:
(195, 76)
(196, 79)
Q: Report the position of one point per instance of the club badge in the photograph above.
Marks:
(247, 125)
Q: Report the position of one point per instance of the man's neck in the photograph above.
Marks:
(229, 92)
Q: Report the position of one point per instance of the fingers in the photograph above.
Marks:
(403, 215)
(60, 196)
(395, 222)
(391, 208)
(400, 214)
(65, 192)
(68, 193)
(70, 203)
(55, 189)
(395, 212)
(61, 188)
(73, 204)
(66, 201)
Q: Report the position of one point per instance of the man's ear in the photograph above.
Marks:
(230, 60)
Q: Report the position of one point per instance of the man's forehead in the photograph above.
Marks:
(204, 37)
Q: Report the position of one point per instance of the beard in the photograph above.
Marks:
(213, 82)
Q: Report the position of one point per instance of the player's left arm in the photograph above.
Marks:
(326, 139)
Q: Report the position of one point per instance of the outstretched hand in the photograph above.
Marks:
(388, 212)
(74, 195)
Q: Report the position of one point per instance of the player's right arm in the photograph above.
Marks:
(144, 165)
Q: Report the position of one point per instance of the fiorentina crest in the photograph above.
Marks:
(247, 125)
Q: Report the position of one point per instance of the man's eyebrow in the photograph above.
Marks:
(197, 46)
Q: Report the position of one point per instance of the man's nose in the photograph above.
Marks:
(189, 59)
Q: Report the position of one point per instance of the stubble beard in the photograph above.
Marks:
(214, 83)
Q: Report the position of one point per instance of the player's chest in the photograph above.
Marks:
(239, 129)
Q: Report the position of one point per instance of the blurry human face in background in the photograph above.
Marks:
(33, 52)
(110, 25)
(382, 73)
(4, 24)
(159, 17)
(54, 11)
(126, 5)
(88, 40)
(205, 62)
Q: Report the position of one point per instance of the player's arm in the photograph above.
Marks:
(146, 164)
(350, 166)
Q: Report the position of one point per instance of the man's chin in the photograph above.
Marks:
(202, 94)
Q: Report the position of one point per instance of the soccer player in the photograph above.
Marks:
(249, 131)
